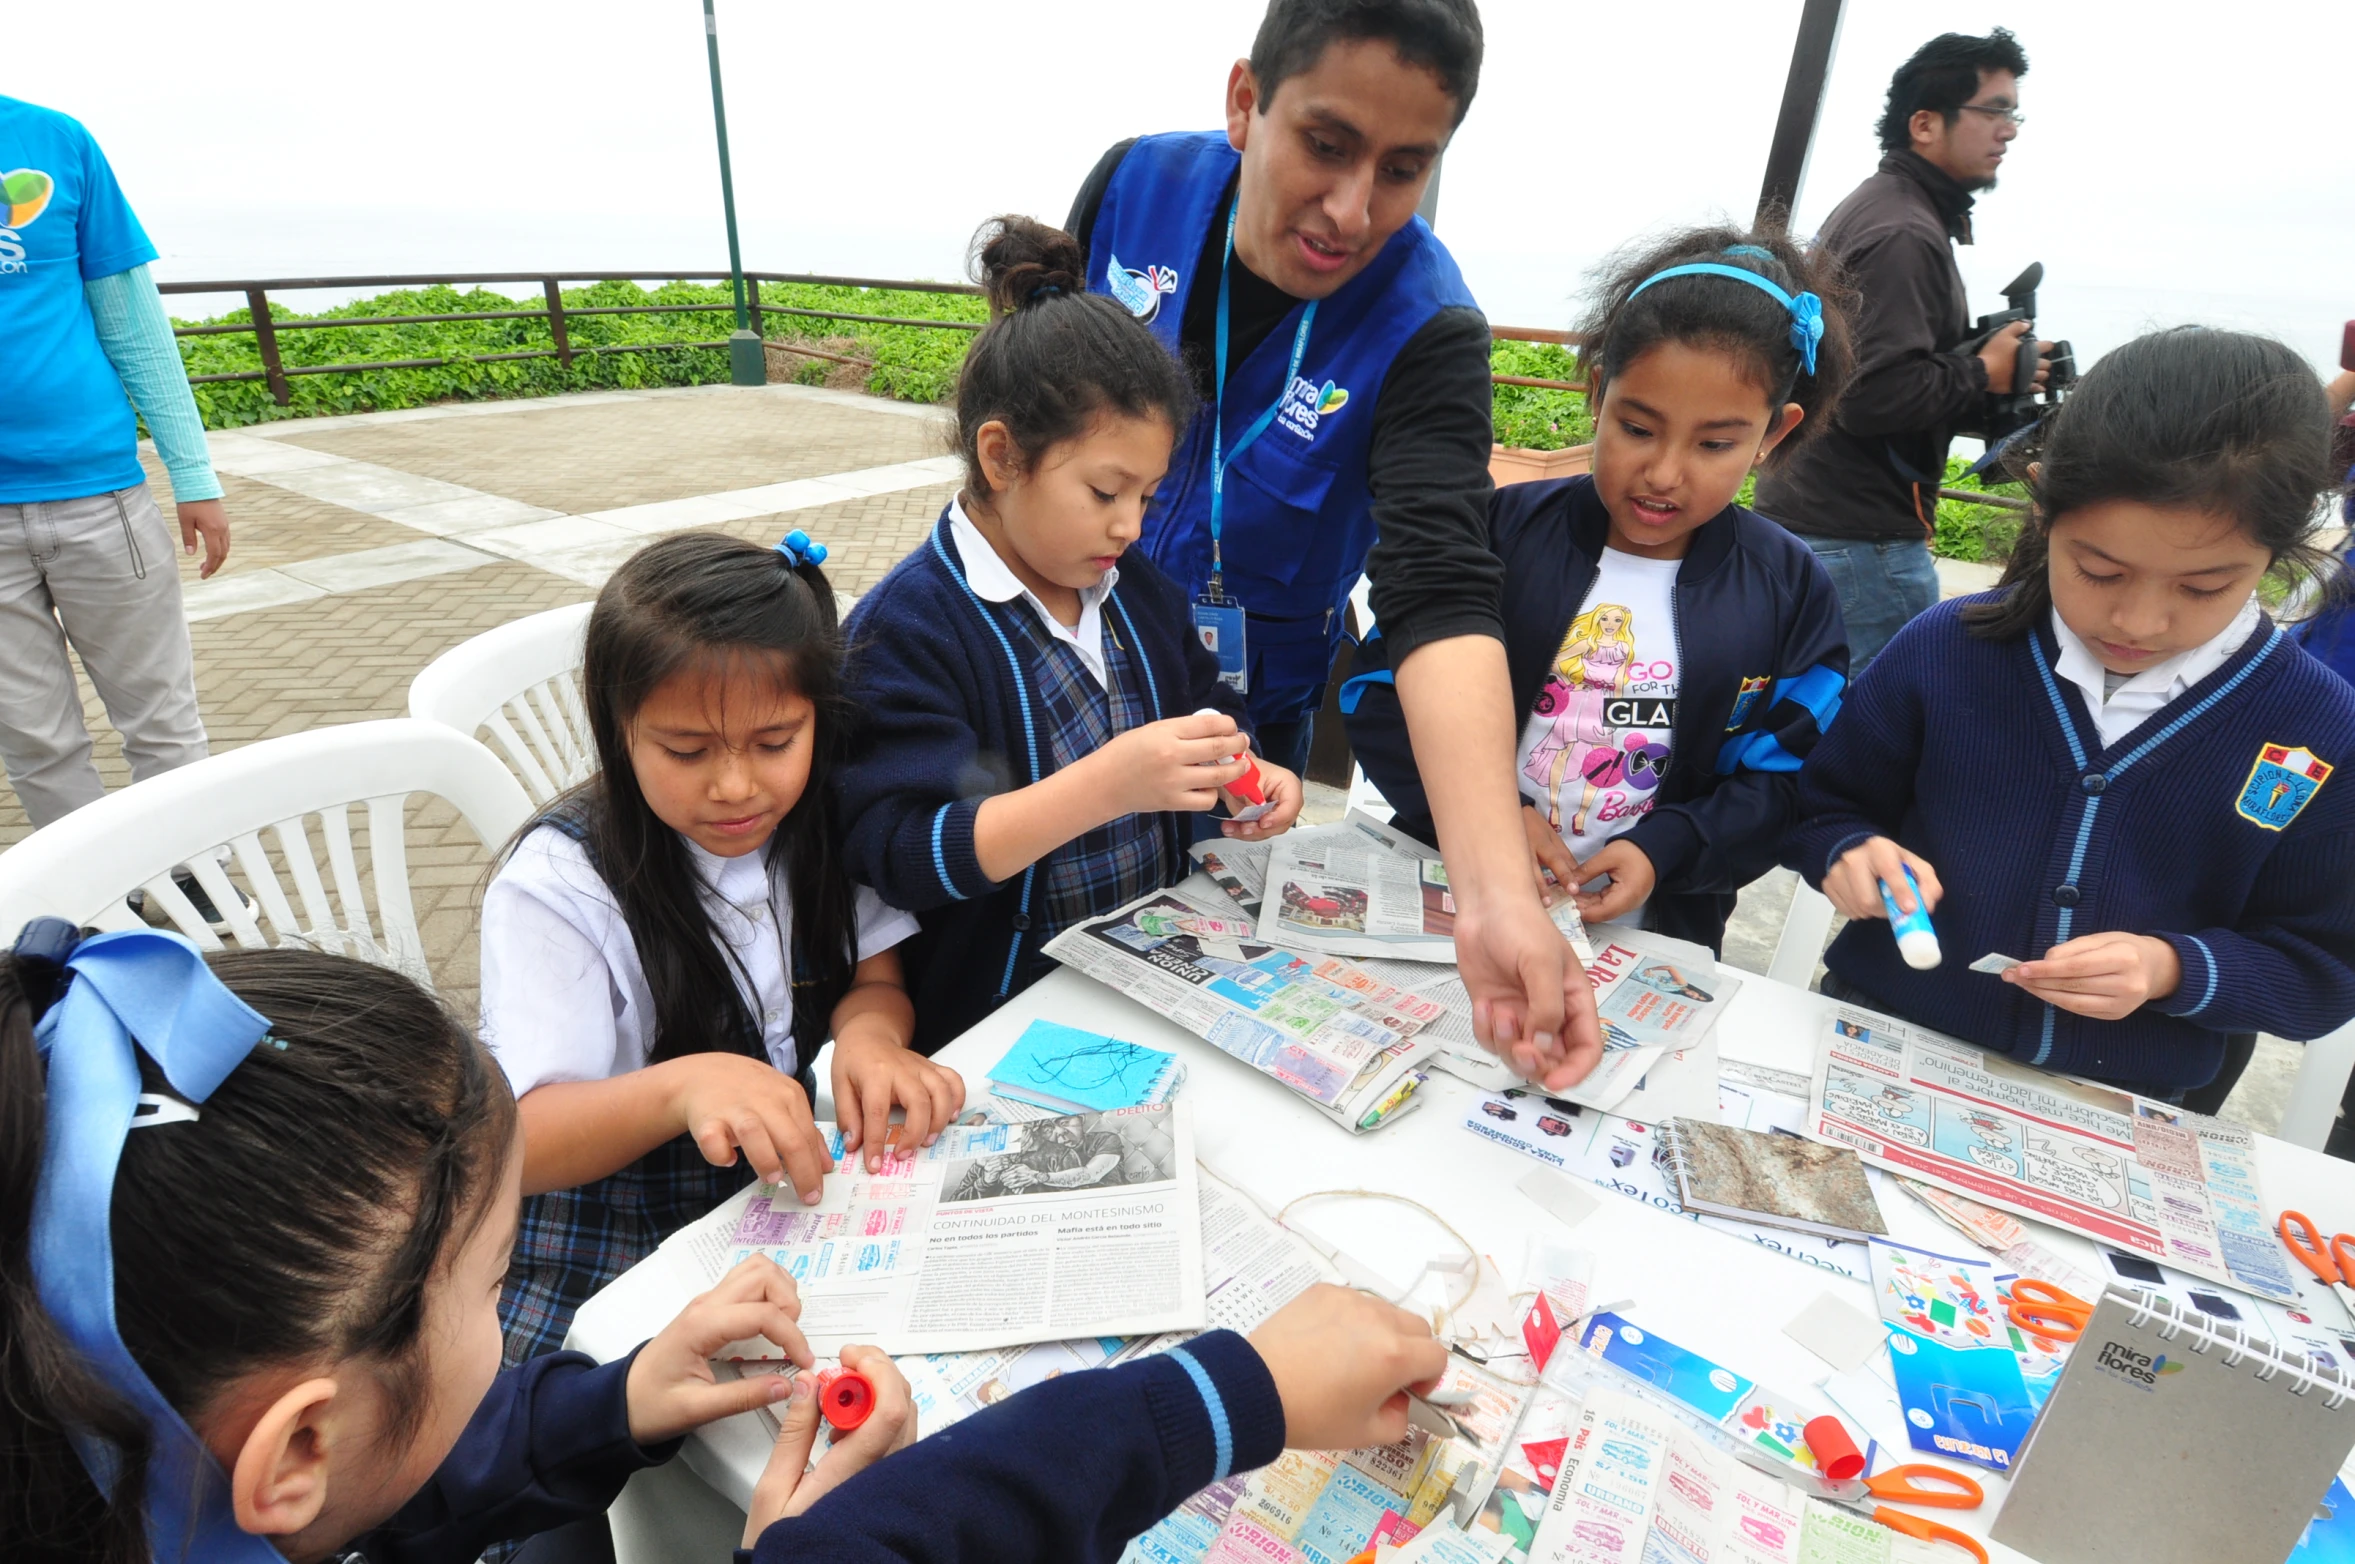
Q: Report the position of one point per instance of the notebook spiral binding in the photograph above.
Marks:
(1672, 1147)
(2203, 1335)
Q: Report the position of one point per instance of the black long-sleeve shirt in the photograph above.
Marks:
(1433, 575)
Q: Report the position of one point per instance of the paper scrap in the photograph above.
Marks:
(1558, 1197)
(1837, 1332)
(1995, 961)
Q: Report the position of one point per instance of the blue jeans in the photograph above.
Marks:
(1881, 584)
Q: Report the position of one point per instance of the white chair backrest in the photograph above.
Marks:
(2323, 1072)
(82, 866)
(522, 682)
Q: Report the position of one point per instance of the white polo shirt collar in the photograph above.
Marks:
(996, 582)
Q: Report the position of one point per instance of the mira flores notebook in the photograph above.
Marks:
(1777, 1180)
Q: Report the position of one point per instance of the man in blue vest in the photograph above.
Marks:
(1345, 371)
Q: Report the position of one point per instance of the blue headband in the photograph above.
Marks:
(799, 550)
(139, 992)
(1806, 310)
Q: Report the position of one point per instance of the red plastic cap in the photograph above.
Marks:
(1247, 786)
(1836, 1455)
(845, 1398)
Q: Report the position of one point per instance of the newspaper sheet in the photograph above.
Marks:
(2145, 1176)
(1357, 888)
(1344, 1039)
(993, 1236)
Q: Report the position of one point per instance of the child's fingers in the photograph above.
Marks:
(714, 1325)
(1932, 891)
(758, 1278)
(789, 1459)
(874, 1119)
(946, 1088)
(1203, 725)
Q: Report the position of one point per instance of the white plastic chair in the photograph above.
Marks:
(520, 681)
(1805, 928)
(2322, 1080)
(1363, 795)
(82, 866)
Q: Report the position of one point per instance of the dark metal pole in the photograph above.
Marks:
(1794, 127)
(746, 364)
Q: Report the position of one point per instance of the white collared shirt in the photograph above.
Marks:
(2119, 711)
(995, 580)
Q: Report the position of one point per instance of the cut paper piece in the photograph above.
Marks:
(1994, 962)
(1557, 1197)
(1839, 1333)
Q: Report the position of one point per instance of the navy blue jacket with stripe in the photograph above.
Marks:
(948, 718)
(1764, 656)
(2201, 828)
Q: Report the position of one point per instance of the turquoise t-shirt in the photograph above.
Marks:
(69, 428)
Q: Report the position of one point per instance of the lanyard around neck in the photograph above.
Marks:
(1220, 457)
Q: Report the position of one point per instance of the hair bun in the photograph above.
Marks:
(1021, 261)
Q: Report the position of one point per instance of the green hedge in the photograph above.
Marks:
(1528, 417)
(1981, 533)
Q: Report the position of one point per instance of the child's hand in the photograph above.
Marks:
(2105, 976)
(1557, 866)
(1343, 1362)
(787, 1486)
(727, 1101)
(671, 1386)
(1632, 879)
(1174, 764)
(1854, 882)
(1284, 795)
(873, 1072)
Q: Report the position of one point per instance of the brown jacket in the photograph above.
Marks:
(1875, 473)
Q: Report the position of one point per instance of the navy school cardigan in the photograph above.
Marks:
(949, 717)
(1764, 658)
(2218, 825)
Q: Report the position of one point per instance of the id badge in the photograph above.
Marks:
(1219, 625)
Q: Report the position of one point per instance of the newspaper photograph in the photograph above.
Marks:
(1357, 889)
(996, 1235)
(2144, 1176)
(1327, 1028)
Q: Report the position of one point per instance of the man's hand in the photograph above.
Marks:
(874, 1072)
(2105, 976)
(1854, 882)
(1632, 879)
(787, 1485)
(1514, 963)
(727, 1101)
(1343, 1363)
(671, 1386)
(2001, 355)
(205, 519)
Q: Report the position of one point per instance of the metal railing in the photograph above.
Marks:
(265, 326)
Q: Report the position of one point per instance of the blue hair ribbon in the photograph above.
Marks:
(1806, 310)
(799, 550)
(148, 992)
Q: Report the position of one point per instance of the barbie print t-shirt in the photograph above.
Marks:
(1596, 744)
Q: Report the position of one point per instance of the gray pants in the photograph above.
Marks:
(102, 573)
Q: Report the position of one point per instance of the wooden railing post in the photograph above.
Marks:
(556, 322)
(266, 338)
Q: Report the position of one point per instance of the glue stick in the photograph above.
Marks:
(1917, 941)
(1247, 786)
(845, 1397)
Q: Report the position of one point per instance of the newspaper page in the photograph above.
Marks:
(1327, 1028)
(2147, 1177)
(993, 1236)
(1357, 889)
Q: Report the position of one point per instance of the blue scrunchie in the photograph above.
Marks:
(799, 550)
(1806, 309)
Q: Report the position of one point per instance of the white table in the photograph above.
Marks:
(1715, 1294)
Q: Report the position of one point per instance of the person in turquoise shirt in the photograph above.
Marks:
(85, 557)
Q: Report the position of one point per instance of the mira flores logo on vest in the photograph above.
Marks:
(1305, 404)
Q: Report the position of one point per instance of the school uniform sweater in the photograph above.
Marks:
(1763, 657)
(951, 714)
(2218, 825)
(1067, 1470)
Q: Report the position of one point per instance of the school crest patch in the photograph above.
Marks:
(1745, 698)
(2283, 781)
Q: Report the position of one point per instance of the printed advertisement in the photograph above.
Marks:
(2123, 1170)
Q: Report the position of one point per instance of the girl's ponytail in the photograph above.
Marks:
(1020, 261)
(49, 1508)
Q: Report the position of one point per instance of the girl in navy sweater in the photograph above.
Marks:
(1674, 654)
(1040, 721)
(294, 1354)
(2114, 765)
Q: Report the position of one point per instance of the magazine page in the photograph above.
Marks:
(995, 1235)
(2145, 1176)
(1325, 1027)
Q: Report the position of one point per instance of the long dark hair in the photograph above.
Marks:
(1725, 315)
(299, 1219)
(702, 602)
(1054, 356)
(2187, 418)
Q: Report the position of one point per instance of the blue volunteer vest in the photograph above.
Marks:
(1298, 517)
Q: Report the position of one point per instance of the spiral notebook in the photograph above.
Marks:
(1772, 1178)
(2172, 1439)
(1066, 1070)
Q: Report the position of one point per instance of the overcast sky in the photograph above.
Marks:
(2194, 165)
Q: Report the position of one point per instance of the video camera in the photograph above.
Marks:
(2002, 416)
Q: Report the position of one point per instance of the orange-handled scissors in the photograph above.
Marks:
(1903, 1484)
(2041, 1309)
(2333, 1261)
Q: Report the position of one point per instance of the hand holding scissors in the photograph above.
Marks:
(2334, 1261)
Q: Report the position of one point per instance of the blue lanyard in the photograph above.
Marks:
(1220, 459)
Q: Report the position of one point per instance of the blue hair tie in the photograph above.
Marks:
(799, 550)
(1806, 309)
(1043, 290)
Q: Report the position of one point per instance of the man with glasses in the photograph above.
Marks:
(1864, 495)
